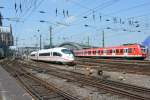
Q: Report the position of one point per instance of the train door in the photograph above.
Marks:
(105, 51)
(125, 52)
(97, 53)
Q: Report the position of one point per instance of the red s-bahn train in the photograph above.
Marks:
(128, 51)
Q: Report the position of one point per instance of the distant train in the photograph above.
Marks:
(129, 51)
(58, 55)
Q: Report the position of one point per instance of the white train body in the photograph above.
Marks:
(59, 54)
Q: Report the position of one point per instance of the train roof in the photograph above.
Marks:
(46, 50)
(122, 46)
(34, 52)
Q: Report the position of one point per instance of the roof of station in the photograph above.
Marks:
(74, 46)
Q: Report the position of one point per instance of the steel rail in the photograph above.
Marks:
(47, 85)
(103, 84)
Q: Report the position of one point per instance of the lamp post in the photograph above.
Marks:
(103, 39)
(40, 41)
(50, 37)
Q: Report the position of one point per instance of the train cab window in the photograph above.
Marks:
(143, 50)
(44, 54)
(66, 51)
(130, 50)
(56, 54)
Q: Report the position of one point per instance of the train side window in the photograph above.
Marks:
(117, 50)
(32, 55)
(130, 50)
(82, 52)
(121, 50)
(102, 51)
(89, 52)
(94, 52)
(110, 51)
(86, 52)
(107, 51)
(44, 54)
(56, 54)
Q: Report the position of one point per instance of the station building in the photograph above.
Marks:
(6, 39)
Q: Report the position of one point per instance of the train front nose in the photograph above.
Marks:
(71, 57)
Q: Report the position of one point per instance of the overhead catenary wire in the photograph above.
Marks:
(129, 8)
(90, 10)
(35, 7)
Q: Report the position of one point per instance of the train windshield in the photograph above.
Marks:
(143, 49)
(66, 51)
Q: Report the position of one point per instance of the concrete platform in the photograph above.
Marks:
(10, 89)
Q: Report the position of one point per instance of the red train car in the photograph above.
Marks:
(130, 51)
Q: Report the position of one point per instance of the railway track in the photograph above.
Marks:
(36, 87)
(139, 63)
(137, 67)
(117, 60)
(123, 89)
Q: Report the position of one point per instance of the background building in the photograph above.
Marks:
(6, 39)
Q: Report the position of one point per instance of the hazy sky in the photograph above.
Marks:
(123, 21)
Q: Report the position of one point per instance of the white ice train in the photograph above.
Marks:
(58, 55)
